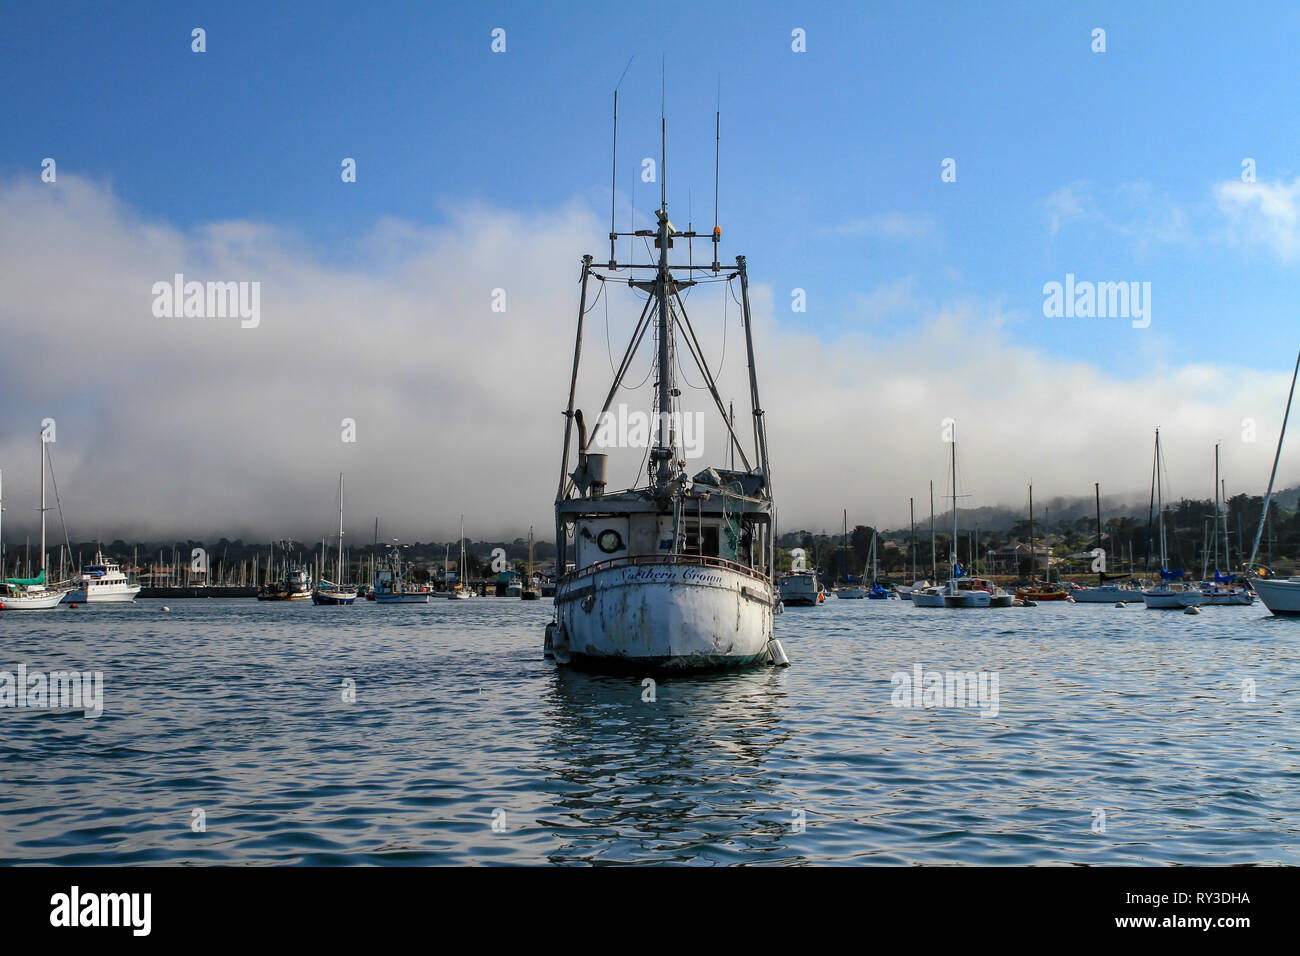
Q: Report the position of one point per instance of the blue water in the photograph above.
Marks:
(236, 708)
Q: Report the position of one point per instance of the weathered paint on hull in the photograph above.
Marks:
(671, 617)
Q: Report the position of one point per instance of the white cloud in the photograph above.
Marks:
(196, 426)
(892, 226)
(1262, 214)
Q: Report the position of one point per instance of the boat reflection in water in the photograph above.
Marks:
(629, 764)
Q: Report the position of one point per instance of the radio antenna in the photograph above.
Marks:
(613, 173)
(663, 134)
(717, 148)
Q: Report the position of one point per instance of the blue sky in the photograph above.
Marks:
(1116, 166)
(817, 146)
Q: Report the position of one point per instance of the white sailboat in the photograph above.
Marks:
(530, 590)
(32, 594)
(956, 593)
(461, 592)
(1280, 595)
(336, 593)
(849, 592)
(1223, 590)
(1166, 596)
(676, 572)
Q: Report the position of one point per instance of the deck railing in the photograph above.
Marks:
(698, 560)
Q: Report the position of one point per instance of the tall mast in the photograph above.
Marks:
(1160, 507)
(911, 510)
(1096, 487)
(665, 452)
(43, 503)
(1216, 509)
(1263, 514)
(1033, 554)
(1227, 561)
(954, 500)
(934, 561)
(340, 562)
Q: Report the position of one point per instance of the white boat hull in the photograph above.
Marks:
(36, 601)
(851, 593)
(1106, 594)
(1166, 599)
(928, 597)
(1279, 595)
(104, 595)
(408, 597)
(674, 616)
(968, 599)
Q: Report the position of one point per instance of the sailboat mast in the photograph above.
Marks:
(1216, 508)
(43, 503)
(340, 561)
(1033, 555)
(911, 510)
(1227, 560)
(934, 561)
(1268, 496)
(954, 499)
(1160, 507)
(1096, 489)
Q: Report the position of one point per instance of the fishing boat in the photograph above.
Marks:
(294, 583)
(1280, 595)
(461, 592)
(34, 593)
(677, 571)
(530, 591)
(102, 583)
(330, 594)
(1167, 595)
(391, 586)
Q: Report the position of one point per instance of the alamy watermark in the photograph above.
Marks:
(922, 689)
(22, 689)
(1098, 300)
(208, 300)
(632, 429)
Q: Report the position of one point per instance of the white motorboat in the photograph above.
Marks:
(677, 571)
(1222, 594)
(102, 583)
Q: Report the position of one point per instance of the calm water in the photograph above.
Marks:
(236, 708)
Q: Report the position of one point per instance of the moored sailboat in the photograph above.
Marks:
(337, 593)
(37, 593)
(1166, 596)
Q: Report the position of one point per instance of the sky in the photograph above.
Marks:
(1165, 159)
